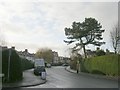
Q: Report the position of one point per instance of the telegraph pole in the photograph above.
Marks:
(9, 64)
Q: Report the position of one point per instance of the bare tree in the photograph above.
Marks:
(45, 53)
(115, 39)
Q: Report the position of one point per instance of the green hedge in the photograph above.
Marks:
(15, 66)
(26, 64)
(107, 65)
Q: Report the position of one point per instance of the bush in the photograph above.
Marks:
(107, 65)
(15, 72)
(26, 64)
(82, 67)
(100, 52)
(73, 64)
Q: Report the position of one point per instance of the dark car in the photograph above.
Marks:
(39, 69)
(65, 64)
(48, 65)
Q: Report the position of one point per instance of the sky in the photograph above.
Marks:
(37, 24)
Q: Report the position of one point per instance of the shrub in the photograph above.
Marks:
(26, 64)
(107, 65)
(73, 64)
(15, 72)
(100, 52)
(82, 67)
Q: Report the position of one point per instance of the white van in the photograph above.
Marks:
(39, 62)
(39, 66)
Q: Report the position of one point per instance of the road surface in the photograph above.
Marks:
(58, 77)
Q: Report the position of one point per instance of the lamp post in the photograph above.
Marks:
(9, 64)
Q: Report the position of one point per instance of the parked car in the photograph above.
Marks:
(39, 69)
(48, 65)
(65, 64)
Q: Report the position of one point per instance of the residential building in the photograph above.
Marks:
(4, 47)
(27, 55)
(64, 59)
(55, 57)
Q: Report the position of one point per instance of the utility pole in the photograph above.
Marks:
(9, 64)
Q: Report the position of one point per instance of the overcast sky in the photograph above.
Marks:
(32, 25)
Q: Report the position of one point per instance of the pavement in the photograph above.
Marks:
(29, 79)
(92, 75)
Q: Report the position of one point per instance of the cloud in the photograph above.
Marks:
(33, 24)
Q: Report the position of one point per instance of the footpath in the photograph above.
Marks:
(92, 75)
(29, 79)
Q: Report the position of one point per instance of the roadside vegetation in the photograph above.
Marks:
(26, 64)
(11, 69)
(90, 31)
(45, 53)
(105, 65)
(84, 33)
(13, 66)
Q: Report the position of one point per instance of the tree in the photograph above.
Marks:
(115, 39)
(100, 52)
(76, 58)
(45, 53)
(82, 34)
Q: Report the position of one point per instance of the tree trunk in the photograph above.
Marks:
(84, 51)
(115, 51)
(115, 48)
(83, 46)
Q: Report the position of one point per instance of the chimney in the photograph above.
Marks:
(13, 47)
(26, 50)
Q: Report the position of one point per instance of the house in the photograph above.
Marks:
(55, 57)
(59, 59)
(4, 47)
(27, 55)
(64, 59)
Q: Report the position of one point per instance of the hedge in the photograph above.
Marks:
(107, 65)
(26, 64)
(15, 66)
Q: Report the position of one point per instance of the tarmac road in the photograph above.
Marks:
(58, 77)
